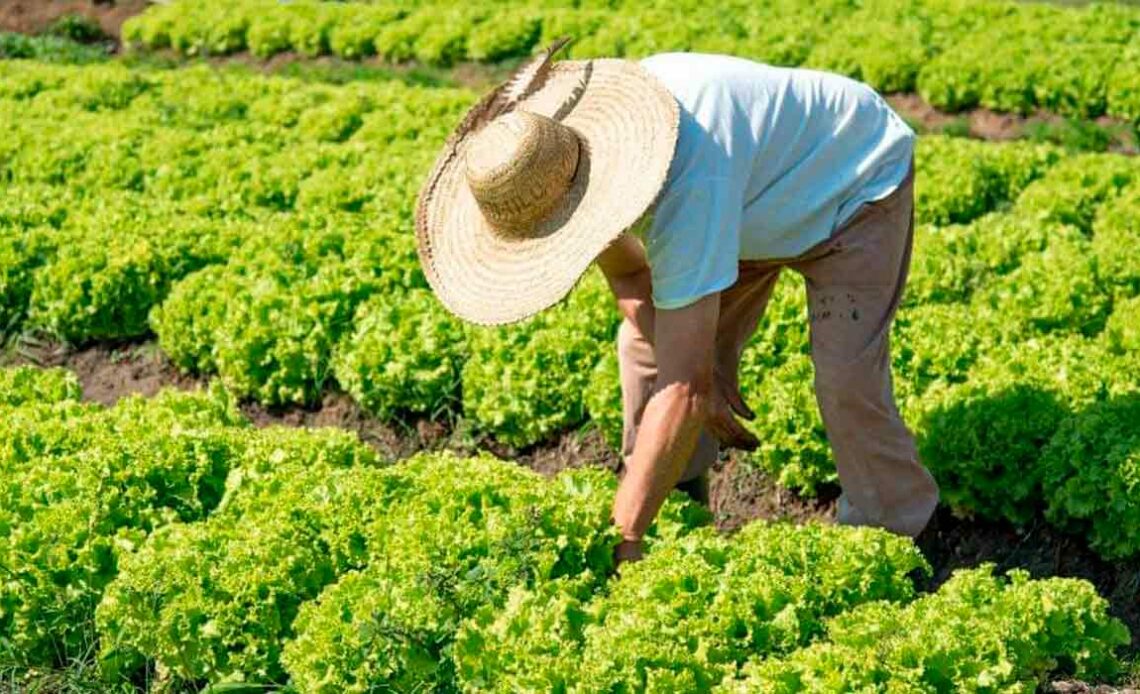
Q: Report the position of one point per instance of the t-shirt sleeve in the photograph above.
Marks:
(693, 243)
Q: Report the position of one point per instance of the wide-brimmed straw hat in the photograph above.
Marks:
(540, 177)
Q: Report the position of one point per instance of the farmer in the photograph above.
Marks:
(692, 181)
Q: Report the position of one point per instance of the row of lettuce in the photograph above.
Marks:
(958, 54)
(262, 229)
(180, 547)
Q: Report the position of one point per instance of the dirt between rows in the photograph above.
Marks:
(34, 16)
(739, 492)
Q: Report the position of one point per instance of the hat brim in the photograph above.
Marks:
(626, 122)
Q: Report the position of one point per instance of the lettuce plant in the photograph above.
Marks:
(978, 632)
(686, 616)
(404, 355)
(32, 385)
(1091, 472)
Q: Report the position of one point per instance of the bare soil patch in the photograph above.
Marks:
(107, 372)
(34, 16)
(985, 124)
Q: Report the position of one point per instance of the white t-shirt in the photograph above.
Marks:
(769, 162)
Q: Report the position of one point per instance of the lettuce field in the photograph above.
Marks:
(255, 228)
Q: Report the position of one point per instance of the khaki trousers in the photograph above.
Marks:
(854, 281)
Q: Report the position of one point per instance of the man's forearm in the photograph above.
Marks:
(666, 440)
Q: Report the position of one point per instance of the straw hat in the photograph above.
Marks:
(540, 177)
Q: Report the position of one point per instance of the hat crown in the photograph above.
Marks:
(518, 169)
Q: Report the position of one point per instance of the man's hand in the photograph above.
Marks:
(726, 404)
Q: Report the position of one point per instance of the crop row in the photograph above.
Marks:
(958, 54)
(184, 548)
(262, 229)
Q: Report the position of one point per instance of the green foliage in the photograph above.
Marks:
(982, 439)
(493, 526)
(199, 32)
(936, 344)
(1122, 333)
(53, 49)
(1072, 192)
(1091, 475)
(977, 633)
(957, 180)
(1071, 133)
(984, 260)
(859, 53)
(187, 321)
(127, 262)
(948, 263)
(685, 616)
(502, 38)
(523, 644)
(1057, 289)
(602, 399)
(187, 168)
(81, 493)
(76, 27)
(781, 335)
(32, 385)
(335, 121)
(1074, 61)
(715, 604)
(1030, 42)
(110, 87)
(404, 355)
(1124, 86)
(178, 540)
(354, 36)
(525, 382)
(268, 321)
(262, 227)
(309, 30)
(793, 443)
(1116, 241)
(776, 377)
(21, 253)
(214, 601)
(268, 35)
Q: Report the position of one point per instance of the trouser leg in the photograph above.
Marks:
(854, 283)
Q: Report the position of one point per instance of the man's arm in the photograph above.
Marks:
(626, 268)
(685, 342)
(687, 396)
(686, 399)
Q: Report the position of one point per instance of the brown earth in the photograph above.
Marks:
(34, 16)
(739, 491)
(984, 124)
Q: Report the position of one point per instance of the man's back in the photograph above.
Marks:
(769, 162)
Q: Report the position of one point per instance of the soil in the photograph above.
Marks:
(738, 491)
(984, 124)
(34, 16)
